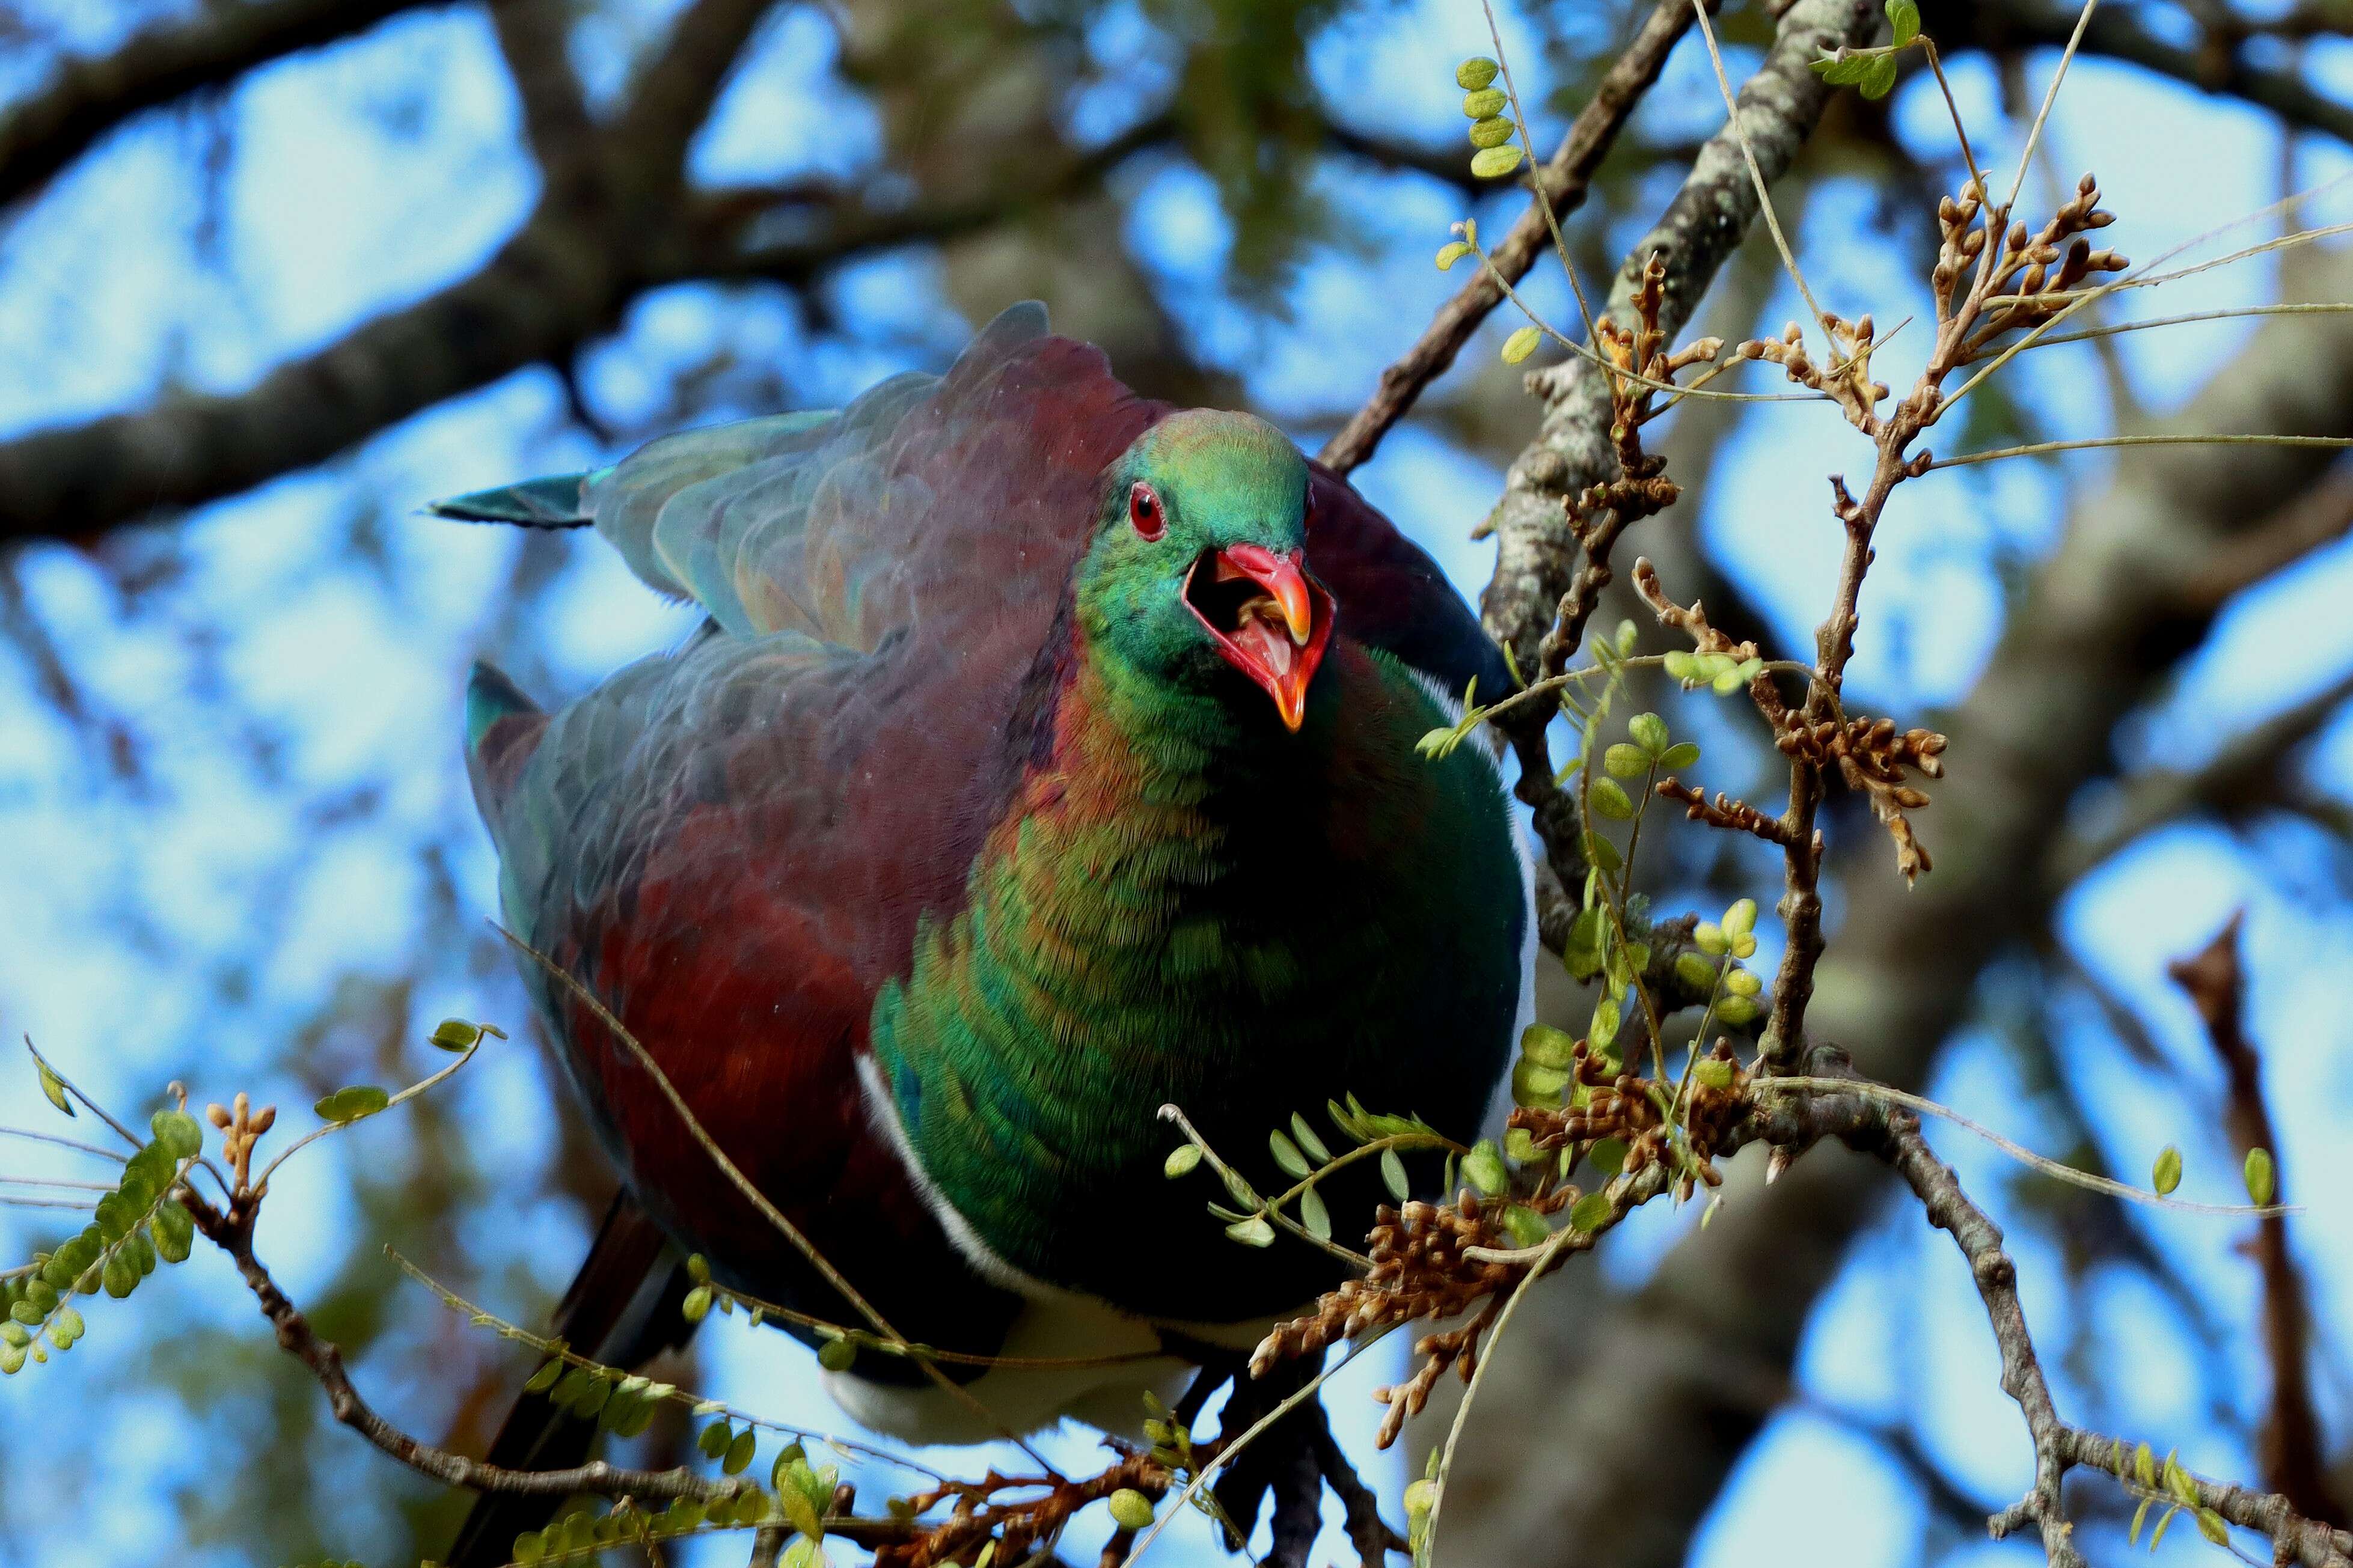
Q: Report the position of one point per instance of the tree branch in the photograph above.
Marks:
(85, 98)
(2291, 1446)
(2059, 1446)
(2005, 24)
(2243, 775)
(2103, 622)
(1567, 178)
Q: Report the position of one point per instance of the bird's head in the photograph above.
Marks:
(1198, 571)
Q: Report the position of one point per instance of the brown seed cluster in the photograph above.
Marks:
(1420, 1270)
(241, 1128)
(2035, 276)
(1875, 758)
(978, 1518)
(1628, 1107)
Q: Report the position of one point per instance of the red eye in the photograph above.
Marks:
(1144, 511)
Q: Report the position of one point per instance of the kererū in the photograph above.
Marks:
(1047, 755)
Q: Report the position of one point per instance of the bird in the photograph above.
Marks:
(1045, 754)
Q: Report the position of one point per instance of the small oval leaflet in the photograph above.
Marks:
(1521, 343)
(53, 1086)
(178, 1131)
(454, 1034)
(1493, 162)
(1590, 1211)
(1315, 1216)
(1251, 1232)
(1484, 104)
(1131, 1510)
(2166, 1175)
(1181, 1161)
(350, 1104)
(2262, 1177)
(1494, 132)
(1475, 73)
(1393, 1175)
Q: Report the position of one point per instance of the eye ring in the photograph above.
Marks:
(1144, 512)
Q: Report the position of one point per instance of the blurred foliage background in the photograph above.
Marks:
(275, 272)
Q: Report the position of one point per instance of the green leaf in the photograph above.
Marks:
(53, 1086)
(739, 1453)
(1608, 799)
(2166, 1175)
(1880, 79)
(1526, 1226)
(2263, 1179)
(2212, 1526)
(1308, 1144)
(174, 1230)
(1589, 1211)
(178, 1131)
(1485, 133)
(1547, 1047)
(1287, 1154)
(713, 1439)
(697, 1305)
(1475, 73)
(1600, 851)
(837, 1355)
(1606, 1019)
(1484, 1169)
(1649, 732)
(1315, 1216)
(1736, 1010)
(1447, 254)
(1522, 343)
(1709, 938)
(1694, 972)
(1606, 1157)
(1680, 755)
(1491, 162)
(346, 1105)
(1393, 1175)
(1131, 1510)
(1683, 665)
(1181, 1161)
(454, 1034)
(1484, 103)
(1534, 1086)
(2140, 1517)
(543, 1380)
(1251, 1232)
(1625, 761)
(1712, 1071)
(1903, 15)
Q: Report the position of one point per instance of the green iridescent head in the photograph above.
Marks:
(1197, 573)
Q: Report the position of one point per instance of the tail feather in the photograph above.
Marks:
(555, 501)
(621, 1311)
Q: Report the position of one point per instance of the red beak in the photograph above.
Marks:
(1279, 634)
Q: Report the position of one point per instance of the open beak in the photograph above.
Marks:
(1268, 618)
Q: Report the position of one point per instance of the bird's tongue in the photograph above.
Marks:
(1264, 639)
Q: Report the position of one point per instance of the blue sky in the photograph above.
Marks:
(179, 923)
